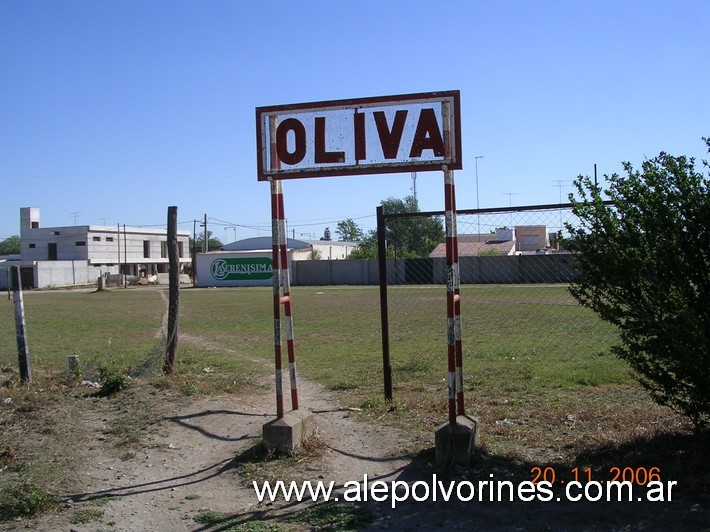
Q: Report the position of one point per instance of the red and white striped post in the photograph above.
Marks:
(286, 300)
(275, 260)
(279, 259)
(455, 374)
(453, 284)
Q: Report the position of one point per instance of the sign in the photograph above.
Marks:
(241, 269)
(406, 133)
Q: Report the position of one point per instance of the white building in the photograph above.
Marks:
(301, 249)
(71, 255)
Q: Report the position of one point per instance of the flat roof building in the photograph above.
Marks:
(70, 255)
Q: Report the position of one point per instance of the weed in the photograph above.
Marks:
(24, 500)
(232, 524)
(113, 382)
(189, 388)
(8, 456)
(208, 517)
(251, 526)
(103, 500)
(334, 516)
(81, 517)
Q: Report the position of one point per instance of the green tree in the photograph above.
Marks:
(10, 245)
(214, 243)
(644, 263)
(367, 247)
(408, 237)
(348, 231)
(411, 237)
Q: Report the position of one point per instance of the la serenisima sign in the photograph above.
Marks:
(242, 269)
(412, 132)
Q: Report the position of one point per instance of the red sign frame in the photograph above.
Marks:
(372, 136)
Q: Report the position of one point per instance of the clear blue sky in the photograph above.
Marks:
(118, 109)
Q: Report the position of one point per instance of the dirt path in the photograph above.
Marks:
(189, 466)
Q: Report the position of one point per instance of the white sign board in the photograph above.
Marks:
(414, 132)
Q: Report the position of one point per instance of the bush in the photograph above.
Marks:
(644, 261)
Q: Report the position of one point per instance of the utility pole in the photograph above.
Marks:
(205, 244)
(125, 256)
(118, 241)
(194, 248)
(478, 202)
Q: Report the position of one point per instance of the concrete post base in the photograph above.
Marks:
(288, 433)
(455, 444)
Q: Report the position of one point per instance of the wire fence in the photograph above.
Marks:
(514, 276)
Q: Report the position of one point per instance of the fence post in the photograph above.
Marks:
(173, 291)
(23, 354)
(384, 312)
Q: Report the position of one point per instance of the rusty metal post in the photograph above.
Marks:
(384, 311)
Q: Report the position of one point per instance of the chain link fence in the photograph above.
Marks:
(514, 289)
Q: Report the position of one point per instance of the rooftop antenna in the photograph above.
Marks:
(510, 204)
(559, 184)
(478, 197)
(75, 215)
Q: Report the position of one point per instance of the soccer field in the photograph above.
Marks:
(513, 335)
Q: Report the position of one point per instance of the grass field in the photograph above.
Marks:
(521, 350)
(512, 339)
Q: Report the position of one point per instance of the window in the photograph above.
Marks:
(32, 246)
(55, 233)
(109, 239)
(96, 239)
(35, 225)
(80, 243)
(52, 251)
(180, 249)
(163, 250)
(146, 249)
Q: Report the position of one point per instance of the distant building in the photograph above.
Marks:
(522, 240)
(76, 255)
(300, 249)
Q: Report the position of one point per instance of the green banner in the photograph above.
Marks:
(242, 269)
